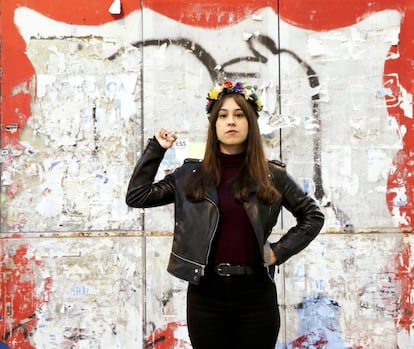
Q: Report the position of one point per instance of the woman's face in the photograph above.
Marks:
(232, 127)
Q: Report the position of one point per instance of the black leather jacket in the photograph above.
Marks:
(196, 223)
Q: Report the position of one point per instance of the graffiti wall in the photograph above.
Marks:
(85, 84)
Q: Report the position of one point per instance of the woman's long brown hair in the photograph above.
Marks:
(254, 172)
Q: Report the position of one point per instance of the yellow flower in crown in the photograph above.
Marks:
(227, 87)
(213, 94)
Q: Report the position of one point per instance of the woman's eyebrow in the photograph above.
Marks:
(237, 109)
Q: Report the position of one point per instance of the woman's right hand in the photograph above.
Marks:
(165, 138)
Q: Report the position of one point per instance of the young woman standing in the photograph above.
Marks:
(225, 209)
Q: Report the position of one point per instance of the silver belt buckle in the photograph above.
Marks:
(220, 268)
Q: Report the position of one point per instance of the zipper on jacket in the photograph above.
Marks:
(214, 230)
(201, 266)
(188, 260)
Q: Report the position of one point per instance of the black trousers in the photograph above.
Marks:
(234, 312)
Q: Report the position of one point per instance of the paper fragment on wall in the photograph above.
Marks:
(115, 8)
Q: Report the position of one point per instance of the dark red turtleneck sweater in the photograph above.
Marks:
(235, 241)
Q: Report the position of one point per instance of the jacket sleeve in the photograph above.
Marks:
(142, 191)
(309, 220)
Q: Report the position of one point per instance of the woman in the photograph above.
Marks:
(225, 209)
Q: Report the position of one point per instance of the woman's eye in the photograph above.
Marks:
(222, 115)
(239, 115)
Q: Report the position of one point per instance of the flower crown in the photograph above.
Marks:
(227, 87)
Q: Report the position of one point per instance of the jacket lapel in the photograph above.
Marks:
(253, 207)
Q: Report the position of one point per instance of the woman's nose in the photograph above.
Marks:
(231, 120)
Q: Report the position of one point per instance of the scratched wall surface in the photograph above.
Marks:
(84, 85)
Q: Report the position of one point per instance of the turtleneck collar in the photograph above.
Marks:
(231, 160)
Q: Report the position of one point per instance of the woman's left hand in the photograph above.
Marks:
(269, 255)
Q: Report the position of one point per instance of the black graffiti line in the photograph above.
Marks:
(20, 325)
(208, 61)
(149, 344)
(200, 53)
(210, 64)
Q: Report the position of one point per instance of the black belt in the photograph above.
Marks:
(226, 269)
